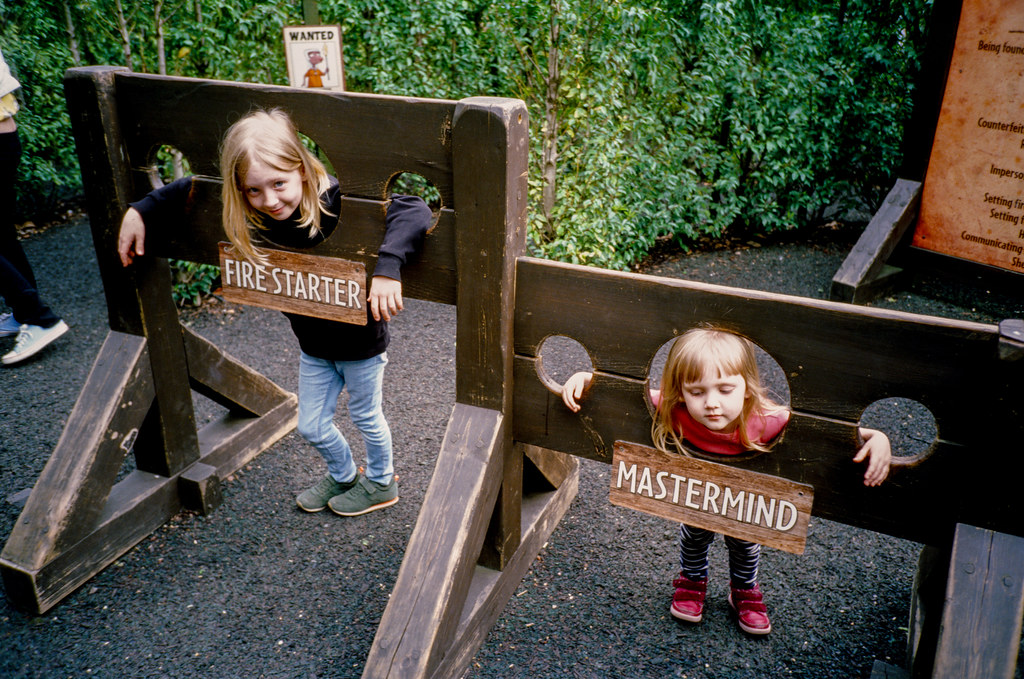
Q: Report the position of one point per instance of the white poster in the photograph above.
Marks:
(313, 55)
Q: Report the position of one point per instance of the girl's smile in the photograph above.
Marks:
(273, 192)
(716, 402)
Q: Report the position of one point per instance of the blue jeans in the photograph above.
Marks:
(320, 384)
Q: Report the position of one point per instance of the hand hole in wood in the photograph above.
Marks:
(412, 184)
(559, 357)
(166, 164)
(910, 426)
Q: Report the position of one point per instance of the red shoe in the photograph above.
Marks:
(688, 601)
(751, 613)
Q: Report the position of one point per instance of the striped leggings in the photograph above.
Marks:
(693, 556)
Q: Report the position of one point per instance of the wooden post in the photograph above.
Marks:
(443, 604)
(981, 620)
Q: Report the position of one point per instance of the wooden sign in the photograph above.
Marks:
(324, 287)
(972, 205)
(313, 56)
(748, 505)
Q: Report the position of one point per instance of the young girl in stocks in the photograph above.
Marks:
(274, 186)
(711, 396)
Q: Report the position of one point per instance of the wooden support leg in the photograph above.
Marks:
(864, 274)
(490, 590)
(421, 617)
(443, 604)
(77, 521)
(69, 498)
(927, 595)
(981, 621)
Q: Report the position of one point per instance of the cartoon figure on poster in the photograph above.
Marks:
(314, 76)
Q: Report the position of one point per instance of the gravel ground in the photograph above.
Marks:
(260, 589)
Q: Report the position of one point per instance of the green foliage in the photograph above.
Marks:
(191, 282)
(673, 120)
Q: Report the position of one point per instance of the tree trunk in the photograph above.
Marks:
(76, 57)
(549, 140)
(122, 30)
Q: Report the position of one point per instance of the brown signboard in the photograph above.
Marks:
(324, 287)
(972, 204)
(726, 499)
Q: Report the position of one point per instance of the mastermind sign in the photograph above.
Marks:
(748, 505)
(972, 202)
(323, 287)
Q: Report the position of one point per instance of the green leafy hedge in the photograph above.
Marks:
(672, 120)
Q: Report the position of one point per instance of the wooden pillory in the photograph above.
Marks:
(507, 469)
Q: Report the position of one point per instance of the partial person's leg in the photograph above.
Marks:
(320, 385)
(364, 380)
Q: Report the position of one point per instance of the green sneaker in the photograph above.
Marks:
(364, 497)
(315, 499)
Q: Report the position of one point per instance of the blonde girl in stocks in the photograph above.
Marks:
(711, 396)
(275, 188)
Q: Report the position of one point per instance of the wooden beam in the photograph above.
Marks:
(864, 273)
(72, 489)
(419, 623)
(489, 172)
(227, 381)
(981, 621)
(490, 590)
(139, 504)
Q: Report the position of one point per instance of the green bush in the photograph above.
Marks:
(674, 120)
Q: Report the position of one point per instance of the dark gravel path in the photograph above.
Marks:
(260, 589)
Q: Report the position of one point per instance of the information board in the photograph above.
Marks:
(972, 204)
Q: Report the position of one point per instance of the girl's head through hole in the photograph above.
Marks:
(268, 172)
(713, 374)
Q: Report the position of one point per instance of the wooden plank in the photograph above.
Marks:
(838, 358)
(367, 138)
(490, 590)
(72, 489)
(505, 530)
(490, 148)
(550, 465)
(921, 500)
(761, 508)
(138, 505)
(106, 180)
(420, 621)
(981, 621)
(859, 276)
(231, 442)
(227, 381)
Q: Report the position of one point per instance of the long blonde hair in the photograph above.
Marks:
(708, 351)
(269, 137)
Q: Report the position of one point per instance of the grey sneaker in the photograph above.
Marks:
(31, 340)
(8, 326)
(364, 497)
(315, 499)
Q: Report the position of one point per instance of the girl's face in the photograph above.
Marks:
(275, 193)
(716, 401)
